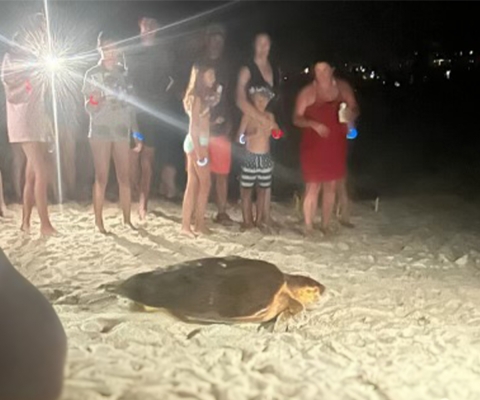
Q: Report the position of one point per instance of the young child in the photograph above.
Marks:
(199, 98)
(257, 166)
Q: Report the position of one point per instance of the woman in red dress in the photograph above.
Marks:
(323, 149)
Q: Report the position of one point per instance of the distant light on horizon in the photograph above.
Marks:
(372, 75)
(471, 52)
(447, 74)
(306, 71)
(397, 84)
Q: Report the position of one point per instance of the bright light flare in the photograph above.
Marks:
(53, 63)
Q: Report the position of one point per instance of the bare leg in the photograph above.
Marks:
(69, 172)
(121, 157)
(310, 203)
(101, 151)
(344, 204)
(221, 191)
(168, 180)
(328, 202)
(52, 184)
(18, 171)
(147, 157)
(37, 158)
(246, 194)
(204, 185)
(28, 197)
(134, 172)
(262, 219)
(189, 198)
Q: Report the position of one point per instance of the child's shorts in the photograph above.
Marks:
(256, 169)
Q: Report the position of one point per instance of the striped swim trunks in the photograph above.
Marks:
(257, 169)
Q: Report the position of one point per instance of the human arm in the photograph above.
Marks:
(304, 100)
(92, 94)
(15, 79)
(242, 101)
(14, 73)
(195, 129)
(242, 128)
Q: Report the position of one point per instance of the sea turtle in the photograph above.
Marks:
(222, 290)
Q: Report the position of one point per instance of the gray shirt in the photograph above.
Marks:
(113, 118)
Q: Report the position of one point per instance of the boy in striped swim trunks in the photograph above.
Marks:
(257, 165)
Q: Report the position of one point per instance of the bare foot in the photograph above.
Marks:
(188, 232)
(4, 213)
(346, 224)
(142, 213)
(25, 227)
(202, 230)
(265, 229)
(223, 219)
(130, 225)
(327, 231)
(308, 231)
(245, 227)
(101, 228)
(48, 231)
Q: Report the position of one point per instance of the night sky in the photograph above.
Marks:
(375, 32)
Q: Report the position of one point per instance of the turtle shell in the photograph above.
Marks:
(208, 289)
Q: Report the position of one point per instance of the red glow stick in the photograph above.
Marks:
(277, 133)
(92, 101)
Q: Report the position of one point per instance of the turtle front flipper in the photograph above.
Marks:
(280, 322)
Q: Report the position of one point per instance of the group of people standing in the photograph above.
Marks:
(127, 102)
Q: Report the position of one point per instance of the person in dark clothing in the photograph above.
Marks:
(149, 66)
(220, 146)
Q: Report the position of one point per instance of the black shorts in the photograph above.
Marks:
(256, 169)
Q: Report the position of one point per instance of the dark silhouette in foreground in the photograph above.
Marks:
(33, 344)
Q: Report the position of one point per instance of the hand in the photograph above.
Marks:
(349, 116)
(321, 129)
(96, 96)
(202, 153)
(138, 146)
(219, 121)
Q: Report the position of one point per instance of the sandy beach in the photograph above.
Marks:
(400, 320)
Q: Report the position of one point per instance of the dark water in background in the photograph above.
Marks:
(412, 140)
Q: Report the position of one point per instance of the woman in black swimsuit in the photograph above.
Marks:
(259, 72)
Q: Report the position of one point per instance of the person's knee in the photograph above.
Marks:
(329, 187)
(146, 161)
(101, 179)
(29, 176)
(123, 179)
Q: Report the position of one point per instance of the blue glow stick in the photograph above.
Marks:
(352, 133)
(138, 136)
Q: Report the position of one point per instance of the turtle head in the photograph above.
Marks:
(304, 289)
